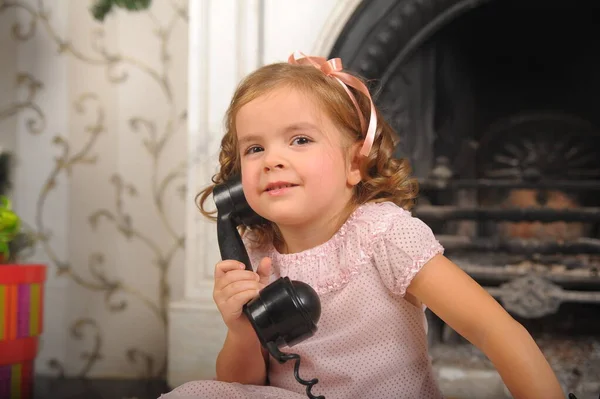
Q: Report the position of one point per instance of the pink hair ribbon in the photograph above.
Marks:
(333, 68)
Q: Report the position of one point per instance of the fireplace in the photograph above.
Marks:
(495, 104)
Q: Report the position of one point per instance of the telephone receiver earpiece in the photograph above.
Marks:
(285, 312)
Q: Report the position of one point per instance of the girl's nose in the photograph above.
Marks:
(272, 166)
(273, 161)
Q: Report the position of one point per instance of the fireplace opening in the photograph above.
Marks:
(495, 104)
(515, 177)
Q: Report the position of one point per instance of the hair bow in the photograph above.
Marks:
(333, 68)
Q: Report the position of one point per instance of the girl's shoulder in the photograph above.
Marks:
(401, 244)
(385, 225)
(376, 218)
(381, 211)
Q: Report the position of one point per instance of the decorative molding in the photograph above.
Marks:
(198, 135)
(336, 21)
(218, 58)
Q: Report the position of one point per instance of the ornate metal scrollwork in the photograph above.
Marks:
(530, 296)
(544, 145)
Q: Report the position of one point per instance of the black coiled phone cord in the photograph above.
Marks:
(284, 357)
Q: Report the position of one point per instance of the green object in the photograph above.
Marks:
(10, 226)
(5, 164)
(102, 7)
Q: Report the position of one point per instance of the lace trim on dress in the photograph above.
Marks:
(351, 246)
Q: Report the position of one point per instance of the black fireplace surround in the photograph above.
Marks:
(495, 103)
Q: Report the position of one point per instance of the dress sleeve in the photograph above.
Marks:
(402, 249)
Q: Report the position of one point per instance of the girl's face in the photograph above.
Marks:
(295, 167)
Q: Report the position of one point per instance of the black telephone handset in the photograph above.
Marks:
(285, 312)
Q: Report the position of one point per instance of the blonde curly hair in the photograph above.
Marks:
(384, 178)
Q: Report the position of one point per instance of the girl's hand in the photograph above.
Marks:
(235, 286)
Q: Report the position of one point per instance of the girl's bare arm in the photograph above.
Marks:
(468, 308)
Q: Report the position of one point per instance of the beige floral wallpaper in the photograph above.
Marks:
(95, 115)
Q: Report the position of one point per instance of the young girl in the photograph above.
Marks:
(316, 160)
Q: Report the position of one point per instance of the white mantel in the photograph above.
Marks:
(227, 40)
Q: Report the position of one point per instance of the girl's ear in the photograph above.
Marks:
(354, 161)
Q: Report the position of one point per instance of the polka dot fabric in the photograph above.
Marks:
(371, 342)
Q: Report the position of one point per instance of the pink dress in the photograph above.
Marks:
(371, 342)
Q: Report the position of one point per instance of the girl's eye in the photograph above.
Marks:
(301, 140)
(253, 149)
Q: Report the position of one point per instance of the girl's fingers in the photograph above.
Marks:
(264, 271)
(237, 301)
(225, 266)
(233, 276)
(236, 287)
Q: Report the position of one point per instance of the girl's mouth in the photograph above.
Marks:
(279, 187)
